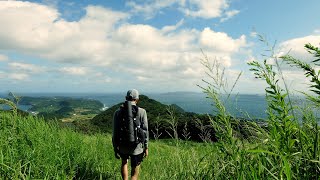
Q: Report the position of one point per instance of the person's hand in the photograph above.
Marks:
(146, 153)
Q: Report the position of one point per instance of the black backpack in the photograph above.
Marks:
(131, 132)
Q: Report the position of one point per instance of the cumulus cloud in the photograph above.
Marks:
(18, 71)
(26, 24)
(75, 70)
(150, 7)
(144, 47)
(38, 29)
(103, 38)
(294, 77)
(295, 47)
(220, 41)
(206, 9)
(24, 67)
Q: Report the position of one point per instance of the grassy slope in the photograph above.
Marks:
(32, 148)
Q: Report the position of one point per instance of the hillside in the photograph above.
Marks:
(153, 108)
(61, 107)
(158, 118)
(32, 148)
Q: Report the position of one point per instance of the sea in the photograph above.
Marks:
(250, 106)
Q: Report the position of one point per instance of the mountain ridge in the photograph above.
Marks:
(158, 119)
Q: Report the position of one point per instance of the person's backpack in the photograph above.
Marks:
(131, 132)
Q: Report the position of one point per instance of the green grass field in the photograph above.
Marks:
(30, 148)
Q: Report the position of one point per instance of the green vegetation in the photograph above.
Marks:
(287, 147)
(43, 104)
(31, 148)
(159, 119)
(61, 107)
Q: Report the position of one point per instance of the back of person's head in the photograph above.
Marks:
(132, 95)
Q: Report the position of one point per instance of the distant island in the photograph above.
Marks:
(64, 108)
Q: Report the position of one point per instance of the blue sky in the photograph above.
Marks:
(150, 45)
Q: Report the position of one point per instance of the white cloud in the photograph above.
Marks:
(38, 29)
(294, 77)
(176, 55)
(172, 28)
(229, 15)
(26, 24)
(22, 71)
(23, 67)
(296, 80)
(75, 70)
(103, 38)
(220, 41)
(295, 47)
(206, 9)
(3, 58)
(150, 7)
(19, 76)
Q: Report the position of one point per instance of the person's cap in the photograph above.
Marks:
(132, 94)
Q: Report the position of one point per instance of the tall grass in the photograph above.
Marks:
(287, 148)
(36, 149)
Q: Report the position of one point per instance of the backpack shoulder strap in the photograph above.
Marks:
(137, 121)
(121, 111)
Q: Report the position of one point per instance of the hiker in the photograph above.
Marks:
(130, 134)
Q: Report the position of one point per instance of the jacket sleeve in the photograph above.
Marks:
(145, 128)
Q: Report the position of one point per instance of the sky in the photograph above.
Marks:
(154, 46)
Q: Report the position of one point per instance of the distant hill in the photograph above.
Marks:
(61, 107)
(153, 108)
(157, 115)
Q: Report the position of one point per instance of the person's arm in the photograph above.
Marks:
(115, 134)
(145, 128)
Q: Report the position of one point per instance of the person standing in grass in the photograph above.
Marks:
(124, 148)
